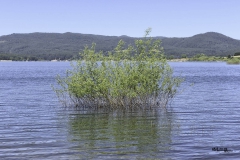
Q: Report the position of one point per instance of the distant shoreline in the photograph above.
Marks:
(6, 60)
(223, 59)
(172, 60)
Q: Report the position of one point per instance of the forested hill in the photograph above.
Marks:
(48, 46)
(209, 43)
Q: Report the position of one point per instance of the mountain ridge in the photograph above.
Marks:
(67, 45)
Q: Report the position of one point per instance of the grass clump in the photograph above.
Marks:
(233, 60)
(126, 78)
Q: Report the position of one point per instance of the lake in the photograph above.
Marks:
(204, 114)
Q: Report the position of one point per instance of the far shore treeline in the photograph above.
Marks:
(67, 46)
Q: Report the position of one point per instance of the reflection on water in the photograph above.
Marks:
(203, 116)
(125, 135)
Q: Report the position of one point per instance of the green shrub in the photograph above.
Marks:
(183, 56)
(233, 61)
(126, 78)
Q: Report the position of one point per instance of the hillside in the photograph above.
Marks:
(48, 46)
(209, 43)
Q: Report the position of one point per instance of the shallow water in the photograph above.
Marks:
(34, 125)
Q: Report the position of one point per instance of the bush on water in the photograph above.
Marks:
(133, 77)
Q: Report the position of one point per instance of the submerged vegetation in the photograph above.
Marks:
(136, 77)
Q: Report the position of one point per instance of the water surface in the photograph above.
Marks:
(34, 125)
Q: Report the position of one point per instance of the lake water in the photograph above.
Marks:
(34, 125)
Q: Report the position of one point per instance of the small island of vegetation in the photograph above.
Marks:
(136, 77)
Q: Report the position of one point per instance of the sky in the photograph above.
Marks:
(169, 18)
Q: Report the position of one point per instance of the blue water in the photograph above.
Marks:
(204, 114)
